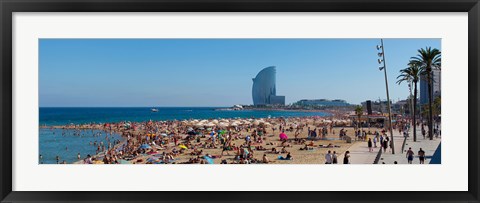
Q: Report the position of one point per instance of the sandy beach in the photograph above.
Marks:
(241, 140)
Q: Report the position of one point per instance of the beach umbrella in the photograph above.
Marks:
(164, 134)
(209, 124)
(283, 136)
(223, 125)
(145, 146)
(183, 146)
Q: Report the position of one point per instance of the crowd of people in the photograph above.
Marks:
(180, 142)
(172, 141)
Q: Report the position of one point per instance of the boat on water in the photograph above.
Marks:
(154, 110)
(234, 108)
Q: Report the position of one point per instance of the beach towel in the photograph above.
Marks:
(208, 159)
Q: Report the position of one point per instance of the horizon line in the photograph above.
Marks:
(130, 106)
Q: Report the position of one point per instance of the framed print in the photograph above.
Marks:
(253, 101)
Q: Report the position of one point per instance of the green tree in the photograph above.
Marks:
(359, 113)
(411, 74)
(428, 59)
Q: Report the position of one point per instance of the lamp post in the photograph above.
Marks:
(384, 68)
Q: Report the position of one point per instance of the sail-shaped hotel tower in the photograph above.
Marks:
(264, 91)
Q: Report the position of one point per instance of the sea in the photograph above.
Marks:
(62, 116)
(68, 143)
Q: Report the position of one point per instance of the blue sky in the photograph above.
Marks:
(216, 72)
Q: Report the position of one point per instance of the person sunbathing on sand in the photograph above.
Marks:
(274, 151)
(284, 150)
(196, 152)
(260, 148)
(330, 145)
(288, 157)
(306, 148)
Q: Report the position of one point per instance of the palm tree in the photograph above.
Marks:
(359, 112)
(412, 73)
(428, 59)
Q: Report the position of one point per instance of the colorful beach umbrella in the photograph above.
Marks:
(182, 146)
(283, 136)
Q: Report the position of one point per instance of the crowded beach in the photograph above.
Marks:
(294, 140)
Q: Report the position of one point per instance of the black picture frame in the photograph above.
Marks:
(7, 7)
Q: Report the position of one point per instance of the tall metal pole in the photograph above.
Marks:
(410, 84)
(388, 99)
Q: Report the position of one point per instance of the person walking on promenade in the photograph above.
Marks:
(409, 155)
(385, 145)
(423, 132)
(328, 157)
(375, 141)
(346, 157)
(421, 156)
(370, 145)
(334, 158)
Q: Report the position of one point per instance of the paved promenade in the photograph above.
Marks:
(359, 153)
(429, 146)
(359, 150)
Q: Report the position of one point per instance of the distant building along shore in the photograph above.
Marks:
(264, 88)
(322, 102)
